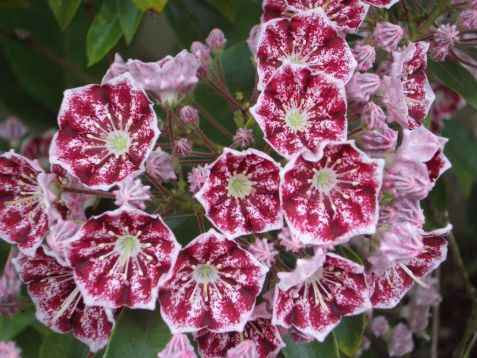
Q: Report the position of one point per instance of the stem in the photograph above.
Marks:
(38, 47)
(456, 255)
(197, 154)
(200, 222)
(214, 122)
(157, 184)
(100, 193)
(355, 131)
(224, 92)
(170, 130)
(470, 334)
(195, 161)
(435, 322)
(206, 140)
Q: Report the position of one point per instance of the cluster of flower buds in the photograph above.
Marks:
(275, 261)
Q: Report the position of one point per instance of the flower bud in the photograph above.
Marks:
(182, 147)
(189, 115)
(387, 35)
(362, 86)
(216, 40)
(373, 116)
(365, 55)
(243, 137)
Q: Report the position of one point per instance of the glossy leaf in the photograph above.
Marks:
(138, 334)
(104, 33)
(129, 18)
(225, 7)
(456, 78)
(62, 345)
(349, 334)
(328, 348)
(156, 5)
(64, 10)
(11, 326)
(461, 148)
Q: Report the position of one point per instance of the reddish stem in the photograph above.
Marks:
(100, 193)
(157, 184)
(214, 122)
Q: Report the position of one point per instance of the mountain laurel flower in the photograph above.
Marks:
(59, 239)
(216, 40)
(37, 147)
(202, 53)
(379, 326)
(439, 53)
(290, 242)
(243, 137)
(132, 193)
(9, 349)
(160, 165)
(388, 35)
(362, 86)
(197, 177)
(182, 147)
(178, 347)
(468, 19)
(373, 116)
(264, 251)
(189, 115)
(9, 287)
(379, 141)
(446, 35)
(365, 55)
(386, 4)
(12, 130)
(245, 349)
(252, 40)
(401, 341)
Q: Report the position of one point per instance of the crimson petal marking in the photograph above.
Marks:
(106, 132)
(331, 195)
(315, 307)
(308, 39)
(388, 288)
(381, 3)
(213, 285)
(119, 258)
(250, 205)
(23, 217)
(299, 110)
(266, 337)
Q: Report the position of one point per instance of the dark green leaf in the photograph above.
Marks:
(350, 254)
(456, 78)
(349, 333)
(14, 3)
(11, 326)
(129, 18)
(29, 341)
(138, 334)
(104, 33)
(225, 7)
(156, 5)
(461, 148)
(238, 68)
(314, 349)
(64, 10)
(62, 346)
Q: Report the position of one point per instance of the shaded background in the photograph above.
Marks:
(38, 61)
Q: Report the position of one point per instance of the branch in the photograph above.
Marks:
(40, 48)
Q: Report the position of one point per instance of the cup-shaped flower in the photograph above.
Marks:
(260, 331)
(59, 303)
(106, 132)
(24, 203)
(331, 195)
(321, 290)
(213, 285)
(119, 258)
(388, 287)
(346, 14)
(298, 110)
(308, 39)
(240, 194)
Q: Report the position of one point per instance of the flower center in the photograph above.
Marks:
(324, 180)
(128, 245)
(240, 186)
(117, 142)
(296, 120)
(205, 273)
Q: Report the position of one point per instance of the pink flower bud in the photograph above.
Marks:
(202, 53)
(468, 19)
(182, 147)
(197, 178)
(161, 165)
(216, 40)
(132, 193)
(118, 67)
(288, 241)
(379, 326)
(264, 251)
(407, 178)
(439, 53)
(243, 137)
(9, 288)
(362, 86)
(365, 55)
(446, 35)
(178, 347)
(252, 40)
(12, 130)
(377, 142)
(189, 115)
(373, 116)
(387, 35)
(9, 350)
(401, 341)
(402, 210)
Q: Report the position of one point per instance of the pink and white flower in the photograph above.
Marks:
(321, 290)
(59, 238)
(9, 350)
(243, 137)
(388, 35)
(401, 341)
(12, 130)
(362, 86)
(331, 195)
(24, 202)
(59, 303)
(446, 103)
(240, 195)
(262, 335)
(161, 165)
(264, 251)
(365, 55)
(298, 110)
(389, 286)
(106, 132)
(307, 39)
(346, 14)
(197, 177)
(37, 147)
(132, 193)
(178, 347)
(213, 285)
(119, 258)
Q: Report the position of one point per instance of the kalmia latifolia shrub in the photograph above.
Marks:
(318, 221)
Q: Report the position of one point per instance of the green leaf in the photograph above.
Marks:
(129, 18)
(14, 3)
(138, 334)
(461, 148)
(104, 33)
(62, 345)
(156, 5)
(314, 349)
(29, 341)
(64, 10)
(456, 78)
(225, 7)
(11, 326)
(349, 333)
